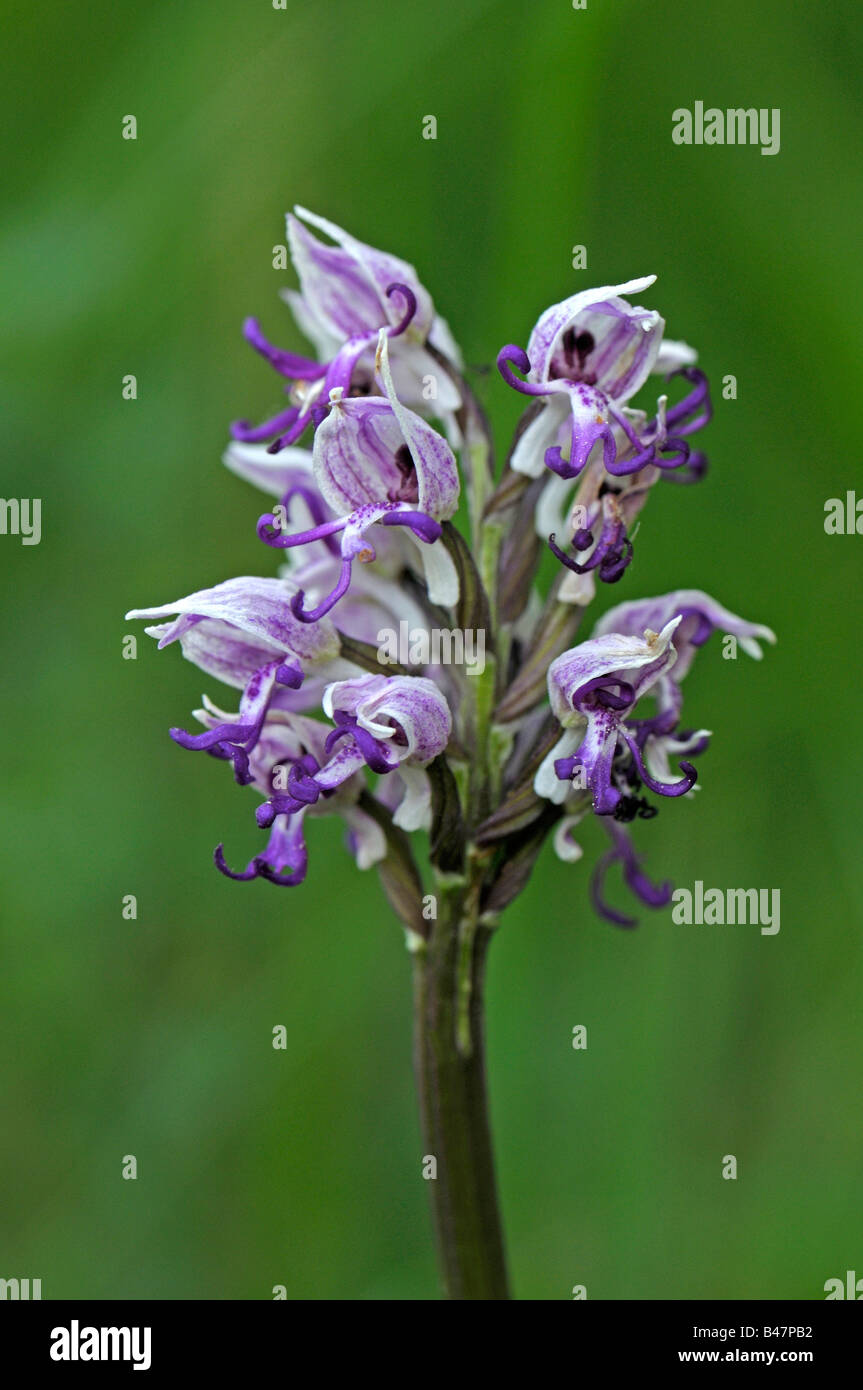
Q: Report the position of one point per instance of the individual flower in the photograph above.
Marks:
(292, 745)
(607, 754)
(594, 689)
(586, 357)
(376, 462)
(348, 293)
(383, 723)
(393, 723)
(244, 633)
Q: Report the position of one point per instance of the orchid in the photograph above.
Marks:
(447, 779)
(613, 755)
(377, 462)
(348, 293)
(586, 357)
(243, 633)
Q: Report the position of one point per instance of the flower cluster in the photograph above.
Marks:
(363, 466)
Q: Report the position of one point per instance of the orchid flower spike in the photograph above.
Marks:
(354, 699)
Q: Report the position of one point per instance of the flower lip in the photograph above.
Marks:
(610, 554)
(383, 723)
(651, 894)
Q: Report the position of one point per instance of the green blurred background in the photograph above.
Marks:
(153, 1037)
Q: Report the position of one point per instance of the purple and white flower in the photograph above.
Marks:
(594, 689)
(607, 753)
(244, 633)
(350, 292)
(585, 359)
(383, 723)
(376, 462)
(294, 746)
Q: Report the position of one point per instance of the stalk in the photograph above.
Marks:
(449, 1057)
(449, 965)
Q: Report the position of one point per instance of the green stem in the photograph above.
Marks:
(449, 1057)
(449, 966)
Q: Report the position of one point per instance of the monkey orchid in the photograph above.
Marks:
(586, 358)
(605, 751)
(349, 293)
(449, 779)
(377, 462)
(243, 632)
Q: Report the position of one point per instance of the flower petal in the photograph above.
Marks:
(565, 847)
(699, 614)
(272, 473)
(257, 609)
(605, 656)
(345, 286)
(355, 453)
(414, 810)
(604, 310)
(436, 468)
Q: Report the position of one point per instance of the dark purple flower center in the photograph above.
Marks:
(577, 347)
(407, 488)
